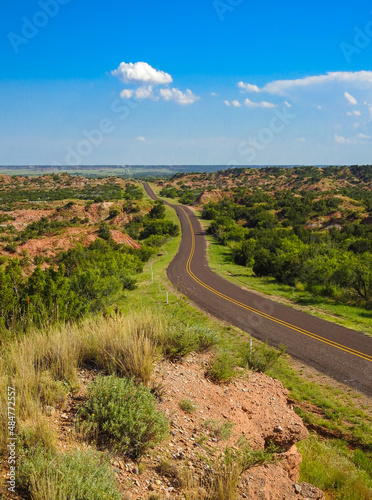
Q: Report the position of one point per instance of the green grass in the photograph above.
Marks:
(187, 406)
(330, 467)
(56, 476)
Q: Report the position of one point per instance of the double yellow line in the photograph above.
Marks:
(256, 311)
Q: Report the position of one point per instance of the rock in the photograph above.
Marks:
(297, 488)
(311, 492)
(49, 410)
(64, 416)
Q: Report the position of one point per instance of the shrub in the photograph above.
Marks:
(262, 358)
(124, 415)
(179, 342)
(187, 406)
(79, 474)
(222, 369)
(220, 430)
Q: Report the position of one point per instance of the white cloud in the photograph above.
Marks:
(177, 96)
(126, 93)
(236, 104)
(227, 103)
(262, 104)
(353, 113)
(141, 73)
(360, 79)
(341, 140)
(351, 99)
(141, 138)
(214, 94)
(319, 107)
(301, 139)
(145, 93)
(363, 136)
(287, 104)
(358, 139)
(248, 87)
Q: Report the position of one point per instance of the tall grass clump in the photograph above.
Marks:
(222, 369)
(261, 358)
(220, 480)
(124, 415)
(44, 475)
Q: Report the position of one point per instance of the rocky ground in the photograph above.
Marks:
(253, 408)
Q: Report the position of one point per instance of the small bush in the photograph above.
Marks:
(222, 368)
(124, 415)
(79, 475)
(262, 358)
(221, 430)
(179, 342)
(187, 406)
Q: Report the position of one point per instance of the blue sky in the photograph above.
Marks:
(200, 82)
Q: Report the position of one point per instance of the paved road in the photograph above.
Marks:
(345, 355)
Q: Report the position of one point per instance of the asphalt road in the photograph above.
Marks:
(343, 354)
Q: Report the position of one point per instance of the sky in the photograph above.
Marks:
(202, 82)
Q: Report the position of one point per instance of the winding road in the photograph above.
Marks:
(341, 353)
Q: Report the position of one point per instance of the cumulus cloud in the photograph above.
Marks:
(248, 87)
(353, 113)
(287, 104)
(141, 138)
(341, 140)
(145, 93)
(126, 93)
(227, 103)
(358, 139)
(350, 99)
(360, 79)
(141, 73)
(177, 96)
(262, 104)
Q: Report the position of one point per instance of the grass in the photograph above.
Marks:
(328, 466)
(220, 430)
(187, 406)
(220, 261)
(222, 369)
(54, 476)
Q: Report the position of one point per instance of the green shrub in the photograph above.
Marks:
(74, 475)
(179, 342)
(221, 430)
(222, 368)
(262, 357)
(124, 415)
(187, 406)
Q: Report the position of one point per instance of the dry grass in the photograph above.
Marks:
(43, 365)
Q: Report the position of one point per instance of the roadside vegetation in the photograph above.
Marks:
(122, 339)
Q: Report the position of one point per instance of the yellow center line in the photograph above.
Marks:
(256, 311)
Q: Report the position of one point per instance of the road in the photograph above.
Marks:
(341, 353)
